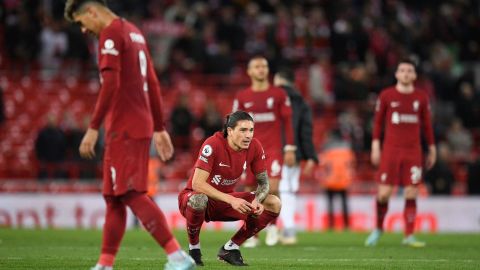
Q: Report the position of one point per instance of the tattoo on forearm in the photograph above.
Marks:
(263, 186)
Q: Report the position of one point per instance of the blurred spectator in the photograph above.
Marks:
(337, 161)
(320, 80)
(221, 61)
(440, 178)
(459, 139)
(473, 178)
(211, 120)
(54, 46)
(50, 149)
(182, 120)
(22, 33)
(467, 105)
(351, 127)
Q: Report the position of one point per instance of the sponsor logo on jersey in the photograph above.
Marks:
(216, 179)
(109, 47)
(207, 150)
(221, 164)
(135, 37)
(263, 117)
(204, 159)
(394, 104)
(398, 118)
(248, 105)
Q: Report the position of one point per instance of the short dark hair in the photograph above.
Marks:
(287, 74)
(410, 61)
(233, 118)
(72, 6)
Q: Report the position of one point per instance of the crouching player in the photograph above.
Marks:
(210, 196)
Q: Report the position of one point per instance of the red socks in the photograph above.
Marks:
(152, 219)
(382, 209)
(410, 214)
(253, 225)
(113, 229)
(194, 224)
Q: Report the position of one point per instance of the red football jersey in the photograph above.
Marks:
(402, 116)
(130, 103)
(226, 165)
(272, 114)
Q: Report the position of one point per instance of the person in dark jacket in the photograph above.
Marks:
(302, 126)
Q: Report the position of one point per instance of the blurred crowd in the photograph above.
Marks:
(345, 51)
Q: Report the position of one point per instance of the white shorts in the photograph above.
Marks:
(290, 179)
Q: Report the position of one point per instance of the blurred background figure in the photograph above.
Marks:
(440, 178)
(182, 120)
(211, 120)
(302, 132)
(50, 149)
(337, 162)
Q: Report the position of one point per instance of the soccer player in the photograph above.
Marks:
(131, 106)
(270, 108)
(209, 194)
(402, 111)
(302, 127)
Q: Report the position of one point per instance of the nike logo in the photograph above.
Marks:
(394, 104)
(223, 165)
(248, 104)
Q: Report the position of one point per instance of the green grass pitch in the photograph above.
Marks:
(78, 249)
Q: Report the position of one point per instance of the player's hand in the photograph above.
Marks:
(308, 168)
(289, 158)
(432, 157)
(257, 208)
(163, 144)
(241, 205)
(375, 154)
(87, 146)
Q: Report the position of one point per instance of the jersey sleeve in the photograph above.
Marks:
(110, 48)
(258, 161)
(111, 45)
(286, 114)
(379, 118)
(207, 155)
(426, 121)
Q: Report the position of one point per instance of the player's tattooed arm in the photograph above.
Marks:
(263, 186)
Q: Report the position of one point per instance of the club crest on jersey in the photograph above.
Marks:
(416, 104)
(270, 101)
(207, 150)
(109, 47)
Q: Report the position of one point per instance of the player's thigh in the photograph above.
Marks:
(412, 171)
(222, 211)
(125, 165)
(389, 170)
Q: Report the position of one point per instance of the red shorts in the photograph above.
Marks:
(216, 210)
(274, 169)
(400, 168)
(125, 165)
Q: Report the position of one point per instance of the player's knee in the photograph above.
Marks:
(272, 203)
(198, 202)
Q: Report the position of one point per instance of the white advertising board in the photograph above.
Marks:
(435, 214)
